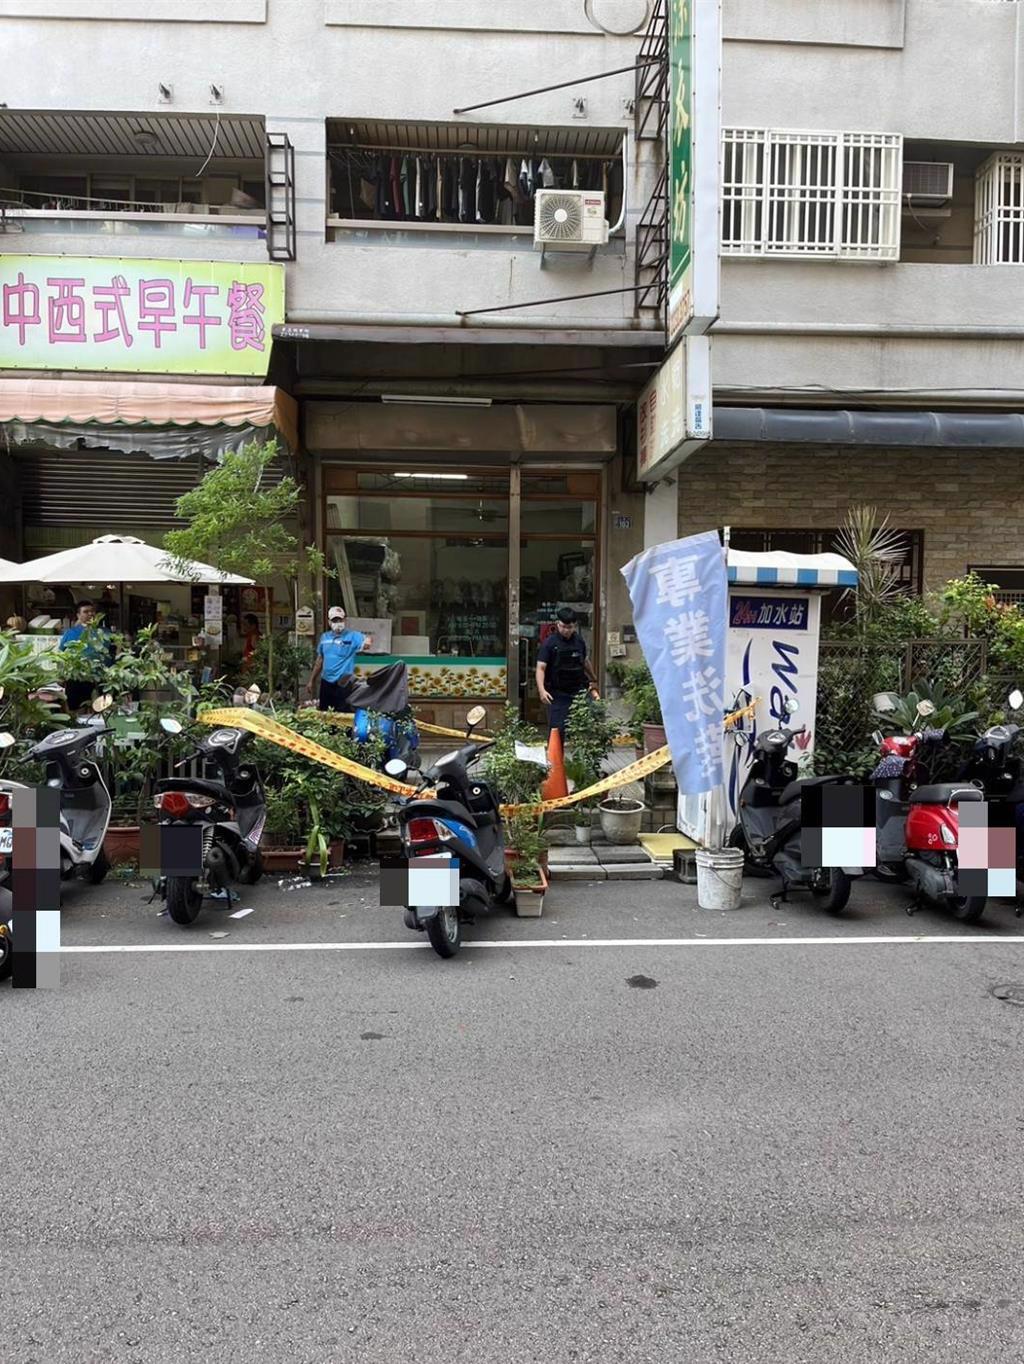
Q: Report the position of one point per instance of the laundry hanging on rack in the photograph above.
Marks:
(473, 190)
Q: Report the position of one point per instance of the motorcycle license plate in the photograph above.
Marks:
(171, 850)
(6, 841)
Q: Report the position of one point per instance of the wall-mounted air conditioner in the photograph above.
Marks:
(569, 220)
(927, 184)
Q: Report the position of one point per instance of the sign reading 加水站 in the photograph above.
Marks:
(138, 316)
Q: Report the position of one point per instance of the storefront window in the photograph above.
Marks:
(426, 553)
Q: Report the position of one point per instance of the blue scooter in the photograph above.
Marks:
(462, 820)
(381, 708)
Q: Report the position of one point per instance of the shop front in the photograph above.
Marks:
(457, 564)
(186, 346)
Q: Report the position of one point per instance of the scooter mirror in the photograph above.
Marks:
(925, 708)
(396, 768)
(1015, 699)
(7, 740)
(741, 737)
(877, 737)
(171, 726)
(102, 704)
(252, 696)
(476, 717)
(884, 702)
(792, 705)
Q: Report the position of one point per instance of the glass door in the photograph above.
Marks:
(559, 516)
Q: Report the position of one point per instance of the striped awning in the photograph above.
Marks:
(777, 568)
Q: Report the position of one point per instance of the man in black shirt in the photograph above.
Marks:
(563, 669)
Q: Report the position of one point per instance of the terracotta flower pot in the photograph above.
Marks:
(121, 843)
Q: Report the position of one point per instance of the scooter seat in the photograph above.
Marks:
(792, 791)
(945, 793)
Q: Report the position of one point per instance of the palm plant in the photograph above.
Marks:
(875, 550)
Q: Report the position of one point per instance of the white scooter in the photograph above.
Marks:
(84, 799)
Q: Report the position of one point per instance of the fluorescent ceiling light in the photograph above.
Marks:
(431, 475)
(434, 400)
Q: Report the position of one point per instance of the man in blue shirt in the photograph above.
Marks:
(97, 650)
(336, 660)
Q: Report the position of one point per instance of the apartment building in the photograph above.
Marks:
(356, 181)
(870, 341)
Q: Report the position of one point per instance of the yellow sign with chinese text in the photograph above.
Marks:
(138, 316)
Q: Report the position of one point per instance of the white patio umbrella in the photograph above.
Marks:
(114, 559)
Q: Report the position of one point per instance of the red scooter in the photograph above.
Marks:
(918, 823)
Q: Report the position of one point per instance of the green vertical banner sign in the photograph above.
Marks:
(680, 167)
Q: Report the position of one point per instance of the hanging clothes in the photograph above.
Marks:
(450, 212)
(407, 175)
(574, 175)
(467, 189)
(613, 203)
(396, 188)
(420, 190)
(486, 193)
(546, 175)
(506, 192)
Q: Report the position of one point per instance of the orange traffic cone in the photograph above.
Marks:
(555, 784)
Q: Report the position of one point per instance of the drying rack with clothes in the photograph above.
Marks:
(449, 187)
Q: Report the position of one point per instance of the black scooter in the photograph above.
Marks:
(462, 820)
(770, 821)
(227, 815)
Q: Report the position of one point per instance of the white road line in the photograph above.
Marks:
(958, 939)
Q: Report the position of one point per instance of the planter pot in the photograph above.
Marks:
(654, 738)
(621, 820)
(293, 859)
(121, 843)
(530, 898)
(513, 858)
(583, 832)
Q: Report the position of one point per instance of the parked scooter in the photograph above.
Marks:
(770, 820)
(994, 763)
(228, 816)
(85, 802)
(381, 707)
(918, 823)
(462, 820)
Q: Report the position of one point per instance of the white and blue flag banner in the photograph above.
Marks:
(680, 597)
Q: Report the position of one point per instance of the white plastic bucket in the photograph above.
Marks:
(719, 878)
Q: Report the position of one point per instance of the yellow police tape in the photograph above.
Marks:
(265, 728)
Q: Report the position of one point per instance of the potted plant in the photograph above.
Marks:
(282, 847)
(526, 863)
(621, 819)
(641, 696)
(589, 734)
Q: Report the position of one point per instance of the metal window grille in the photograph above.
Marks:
(999, 210)
(811, 195)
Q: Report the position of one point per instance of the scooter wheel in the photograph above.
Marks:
(98, 870)
(833, 897)
(253, 872)
(183, 899)
(445, 931)
(969, 908)
(506, 895)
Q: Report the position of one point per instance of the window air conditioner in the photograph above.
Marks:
(569, 220)
(927, 184)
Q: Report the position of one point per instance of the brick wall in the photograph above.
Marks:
(969, 504)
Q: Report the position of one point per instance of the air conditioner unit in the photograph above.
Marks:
(927, 184)
(569, 220)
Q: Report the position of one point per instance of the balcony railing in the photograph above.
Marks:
(192, 220)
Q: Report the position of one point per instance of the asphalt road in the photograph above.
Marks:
(715, 1149)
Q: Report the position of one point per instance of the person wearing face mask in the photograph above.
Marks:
(336, 661)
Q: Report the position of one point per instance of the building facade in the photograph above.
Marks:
(870, 342)
(466, 402)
